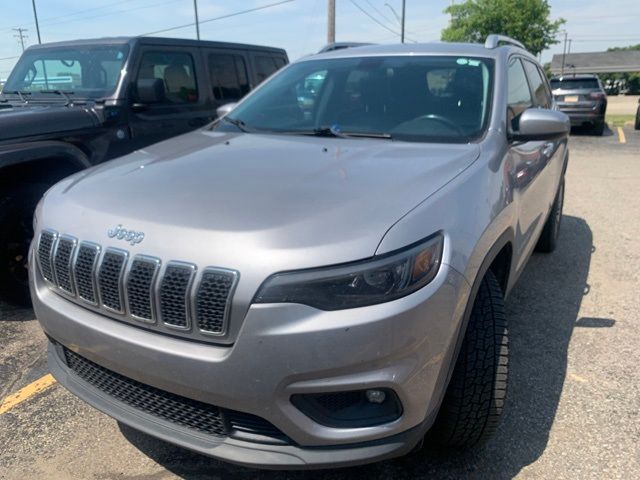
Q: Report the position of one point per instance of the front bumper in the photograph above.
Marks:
(283, 349)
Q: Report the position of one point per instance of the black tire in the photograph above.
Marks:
(598, 128)
(16, 231)
(637, 124)
(549, 237)
(477, 391)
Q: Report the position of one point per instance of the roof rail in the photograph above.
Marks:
(494, 40)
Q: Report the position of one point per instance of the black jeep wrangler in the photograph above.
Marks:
(67, 106)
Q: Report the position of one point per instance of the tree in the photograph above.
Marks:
(525, 20)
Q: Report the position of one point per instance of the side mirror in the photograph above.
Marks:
(225, 109)
(150, 90)
(540, 124)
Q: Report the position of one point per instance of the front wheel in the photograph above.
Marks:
(476, 394)
(16, 231)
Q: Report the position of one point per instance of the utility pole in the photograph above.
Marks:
(20, 35)
(195, 11)
(35, 17)
(331, 21)
(404, 7)
(564, 53)
(569, 47)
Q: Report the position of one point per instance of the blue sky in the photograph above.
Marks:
(298, 26)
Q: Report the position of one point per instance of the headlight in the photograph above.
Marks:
(376, 280)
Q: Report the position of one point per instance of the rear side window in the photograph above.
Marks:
(519, 95)
(541, 95)
(229, 79)
(177, 72)
(265, 66)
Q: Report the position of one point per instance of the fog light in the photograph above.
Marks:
(376, 396)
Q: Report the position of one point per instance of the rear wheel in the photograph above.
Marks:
(549, 236)
(476, 393)
(16, 215)
(598, 128)
(637, 125)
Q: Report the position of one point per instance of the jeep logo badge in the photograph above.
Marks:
(122, 233)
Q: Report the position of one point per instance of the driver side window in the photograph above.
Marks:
(519, 94)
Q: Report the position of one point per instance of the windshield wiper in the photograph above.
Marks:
(64, 93)
(20, 94)
(336, 132)
(236, 122)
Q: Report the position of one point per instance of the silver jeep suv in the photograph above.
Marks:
(315, 282)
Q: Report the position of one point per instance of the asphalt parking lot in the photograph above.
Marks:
(574, 393)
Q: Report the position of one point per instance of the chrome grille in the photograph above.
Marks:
(171, 298)
(45, 252)
(140, 285)
(174, 294)
(211, 300)
(62, 263)
(110, 279)
(84, 270)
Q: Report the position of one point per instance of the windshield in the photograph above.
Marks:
(575, 83)
(411, 98)
(87, 71)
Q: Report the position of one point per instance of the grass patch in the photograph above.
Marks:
(619, 120)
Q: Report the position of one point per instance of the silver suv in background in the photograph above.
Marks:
(317, 283)
(583, 98)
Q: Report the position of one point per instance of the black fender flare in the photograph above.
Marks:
(23, 153)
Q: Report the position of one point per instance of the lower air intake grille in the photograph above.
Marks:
(45, 247)
(188, 413)
(109, 279)
(62, 262)
(211, 300)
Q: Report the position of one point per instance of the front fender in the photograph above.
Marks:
(22, 153)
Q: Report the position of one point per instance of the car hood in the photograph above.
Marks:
(248, 200)
(31, 120)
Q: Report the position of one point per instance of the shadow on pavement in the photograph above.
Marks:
(586, 131)
(15, 313)
(542, 312)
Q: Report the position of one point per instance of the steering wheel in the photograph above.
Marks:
(442, 120)
(68, 63)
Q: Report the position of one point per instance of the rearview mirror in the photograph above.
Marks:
(150, 90)
(541, 124)
(225, 109)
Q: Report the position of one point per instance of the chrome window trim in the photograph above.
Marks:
(152, 288)
(227, 308)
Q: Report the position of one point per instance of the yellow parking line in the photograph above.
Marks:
(27, 392)
(621, 136)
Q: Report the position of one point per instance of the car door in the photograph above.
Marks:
(228, 75)
(185, 104)
(526, 164)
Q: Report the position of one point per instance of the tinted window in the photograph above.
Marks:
(540, 94)
(90, 72)
(265, 66)
(176, 70)
(229, 79)
(518, 93)
(280, 62)
(575, 83)
(421, 98)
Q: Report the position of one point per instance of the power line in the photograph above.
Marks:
(377, 21)
(229, 15)
(20, 36)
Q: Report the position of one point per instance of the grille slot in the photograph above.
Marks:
(84, 271)
(212, 300)
(140, 287)
(109, 279)
(173, 408)
(62, 263)
(174, 294)
(45, 252)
